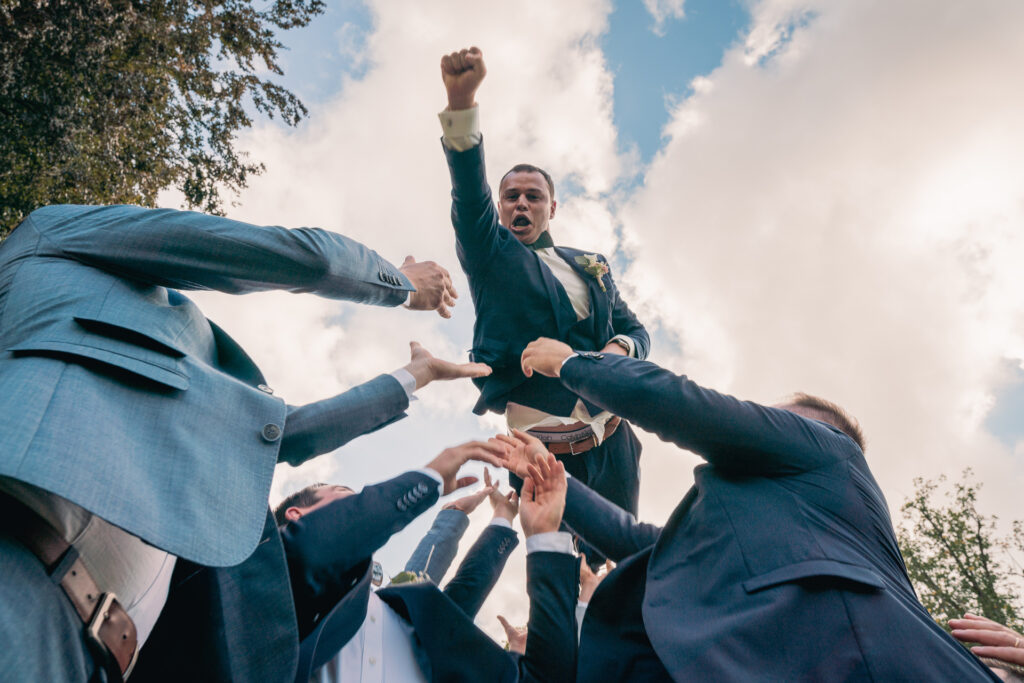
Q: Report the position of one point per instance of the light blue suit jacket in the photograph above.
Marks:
(119, 395)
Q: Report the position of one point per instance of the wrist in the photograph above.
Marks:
(458, 103)
(420, 371)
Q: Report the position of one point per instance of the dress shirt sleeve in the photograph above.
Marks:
(502, 522)
(551, 542)
(461, 128)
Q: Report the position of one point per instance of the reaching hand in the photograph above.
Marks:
(545, 356)
(522, 449)
(462, 73)
(516, 636)
(447, 464)
(995, 641)
(542, 500)
(469, 503)
(425, 368)
(434, 289)
(505, 505)
(590, 580)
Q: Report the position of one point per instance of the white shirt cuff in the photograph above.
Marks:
(501, 521)
(550, 541)
(628, 341)
(435, 476)
(407, 381)
(567, 359)
(461, 128)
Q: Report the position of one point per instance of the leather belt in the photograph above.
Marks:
(109, 631)
(573, 439)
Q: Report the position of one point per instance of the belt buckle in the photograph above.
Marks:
(592, 436)
(92, 631)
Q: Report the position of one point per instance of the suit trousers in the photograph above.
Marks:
(42, 635)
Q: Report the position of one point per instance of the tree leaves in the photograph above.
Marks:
(955, 558)
(112, 101)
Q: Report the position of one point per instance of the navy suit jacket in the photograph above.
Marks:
(119, 395)
(331, 584)
(780, 563)
(517, 298)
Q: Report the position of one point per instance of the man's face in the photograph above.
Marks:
(525, 205)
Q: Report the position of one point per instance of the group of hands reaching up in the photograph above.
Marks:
(541, 502)
(540, 505)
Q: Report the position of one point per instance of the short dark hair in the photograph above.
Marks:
(530, 168)
(302, 498)
(833, 414)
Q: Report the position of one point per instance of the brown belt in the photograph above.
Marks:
(573, 439)
(109, 630)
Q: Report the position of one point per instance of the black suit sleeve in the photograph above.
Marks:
(478, 235)
(731, 434)
(327, 549)
(480, 569)
(604, 525)
(552, 582)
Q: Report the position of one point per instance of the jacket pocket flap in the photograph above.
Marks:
(811, 569)
(115, 330)
(160, 369)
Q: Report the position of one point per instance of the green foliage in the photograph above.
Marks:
(955, 558)
(111, 101)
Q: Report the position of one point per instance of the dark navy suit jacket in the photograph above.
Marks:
(517, 298)
(779, 564)
(331, 583)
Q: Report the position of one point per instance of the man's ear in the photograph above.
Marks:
(293, 513)
(553, 205)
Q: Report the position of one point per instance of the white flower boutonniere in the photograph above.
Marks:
(594, 268)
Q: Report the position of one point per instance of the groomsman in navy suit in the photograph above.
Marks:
(414, 631)
(523, 287)
(779, 564)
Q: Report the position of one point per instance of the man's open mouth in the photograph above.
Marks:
(520, 222)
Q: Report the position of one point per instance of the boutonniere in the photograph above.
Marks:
(409, 577)
(593, 267)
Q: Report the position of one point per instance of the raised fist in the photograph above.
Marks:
(462, 73)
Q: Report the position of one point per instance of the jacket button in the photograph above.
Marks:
(271, 432)
(265, 389)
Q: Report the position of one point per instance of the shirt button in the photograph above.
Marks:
(373, 660)
(373, 619)
(271, 432)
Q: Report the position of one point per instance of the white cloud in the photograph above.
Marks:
(662, 11)
(839, 212)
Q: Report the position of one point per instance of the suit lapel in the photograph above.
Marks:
(564, 314)
(598, 298)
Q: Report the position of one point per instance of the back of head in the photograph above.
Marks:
(302, 498)
(833, 414)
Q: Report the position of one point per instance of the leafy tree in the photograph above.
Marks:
(956, 560)
(111, 101)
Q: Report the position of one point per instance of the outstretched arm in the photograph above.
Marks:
(190, 250)
(474, 218)
(732, 434)
(552, 577)
(323, 426)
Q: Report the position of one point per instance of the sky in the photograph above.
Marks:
(813, 195)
